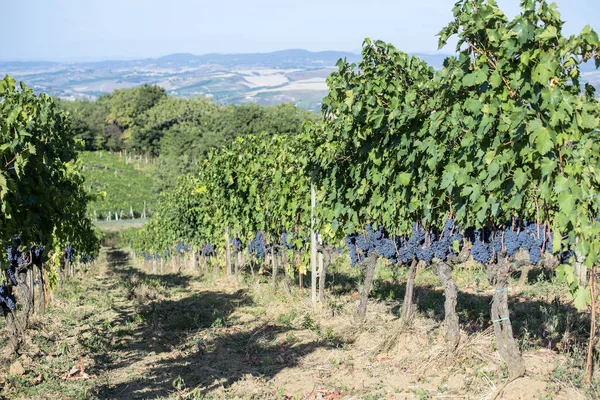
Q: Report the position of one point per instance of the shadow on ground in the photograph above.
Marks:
(550, 323)
(211, 350)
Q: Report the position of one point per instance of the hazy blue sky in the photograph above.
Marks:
(99, 29)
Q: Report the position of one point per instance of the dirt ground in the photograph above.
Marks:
(129, 333)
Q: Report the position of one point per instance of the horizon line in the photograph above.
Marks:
(93, 59)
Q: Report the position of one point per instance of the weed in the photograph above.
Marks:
(422, 394)
(287, 318)
(309, 323)
(291, 338)
(178, 383)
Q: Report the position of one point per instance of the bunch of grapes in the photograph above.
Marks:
(208, 250)
(286, 240)
(11, 275)
(351, 245)
(387, 249)
(511, 242)
(425, 253)
(37, 254)
(13, 254)
(6, 298)
(442, 243)
(440, 246)
(367, 243)
(408, 250)
(482, 250)
(531, 237)
(14, 258)
(566, 256)
(236, 244)
(69, 253)
(364, 244)
(258, 246)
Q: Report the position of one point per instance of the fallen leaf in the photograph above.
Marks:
(16, 369)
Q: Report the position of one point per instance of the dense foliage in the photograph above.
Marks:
(42, 196)
(256, 184)
(179, 132)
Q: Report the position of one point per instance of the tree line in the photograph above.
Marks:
(177, 132)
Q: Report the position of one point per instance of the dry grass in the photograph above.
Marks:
(204, 336)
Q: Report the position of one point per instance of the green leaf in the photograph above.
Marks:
(543, 141)
(548, 165)
(456, 246)
(334, 225)
(404, 178)
(543, 72)
(566, 201)
(582, 297)
(520, 178)
(549, 33)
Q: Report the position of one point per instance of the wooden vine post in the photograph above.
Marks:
(313, 242)
(228, 252)
(589, 366)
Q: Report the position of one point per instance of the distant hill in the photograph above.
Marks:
(295, 58)
(293, 75)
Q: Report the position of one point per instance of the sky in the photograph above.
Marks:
(77, 30)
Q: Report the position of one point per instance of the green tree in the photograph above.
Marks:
(88, 122)
(125, 107)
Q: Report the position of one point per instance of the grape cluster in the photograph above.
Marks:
(425, 246)
(37, 254)
(6, 298)
(69, 253)
(365, 243)
(149, 256)
(258, 246)
(236, 244)
(182, 248)
(540, 237)
(511, 242)
(11, 274)
(565, 256)
(443, 242)
(482, 250)
(208, 250)
(420, 245)
(531, 237)
(15, 258)
(351, 245)
(13, 254)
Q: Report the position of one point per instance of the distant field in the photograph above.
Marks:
(121, 184)
(115, 226)
(295, 76)
(234, 78)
